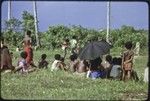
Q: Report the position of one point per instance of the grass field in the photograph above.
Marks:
(44, 84)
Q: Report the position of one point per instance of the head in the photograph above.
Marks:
(28, 33)
(109, 58)
(96, 62)
(73, 57)
(128, 45)
(74, 37)
(119, 61)
(57, 56)
(115, 61)
(43, 56)
(23, 55)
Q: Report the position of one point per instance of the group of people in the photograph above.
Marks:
(113, 68)
(110, 67)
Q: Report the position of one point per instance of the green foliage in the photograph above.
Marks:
(13, 24)
(12, 34)
(56, 34)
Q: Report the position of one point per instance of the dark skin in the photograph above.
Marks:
(82, 66)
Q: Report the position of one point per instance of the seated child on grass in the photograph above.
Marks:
(116, 68)
(108, 65)
(43, 63)
(22, 66)
(73, 63)
(57, 64)
(95, 70)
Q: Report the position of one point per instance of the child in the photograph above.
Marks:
(43, 63)
(95, 69)
(127, 61)
(73, 63)
(62, 63)
(116, 68)
(108, 65)
(22, 63)
(56, 65)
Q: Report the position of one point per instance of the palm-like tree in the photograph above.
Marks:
(36, 23)
(9, 9)
(108, 21)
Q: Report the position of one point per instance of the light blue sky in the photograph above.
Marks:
(86, 14)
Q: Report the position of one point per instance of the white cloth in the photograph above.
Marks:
(115, 71)
(54, 65)
(146, 75)
(88, 74)
(73, 43)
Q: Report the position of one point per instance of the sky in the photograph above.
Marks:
(87, 14)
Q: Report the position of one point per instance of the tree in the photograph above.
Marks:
(13, 24)
(36, 23)
(12, 33)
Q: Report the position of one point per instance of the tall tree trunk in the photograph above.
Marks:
(108, 21)
(36, 24)
(9, 10)
(9, 13)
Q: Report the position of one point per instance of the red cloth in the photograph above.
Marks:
(29, 51)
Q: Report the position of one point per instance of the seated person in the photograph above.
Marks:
(43, 63)
(96, 69)
(108, 65)
(81, 68)
(22, 66)
(116, 68)
(63, 65)
(6, 59)
(57, 65)
(73, 63)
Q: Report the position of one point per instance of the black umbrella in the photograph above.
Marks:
(94, 49)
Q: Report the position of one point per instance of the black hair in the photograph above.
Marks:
(57, 56)
(28, 33)
(43, 56)
(128, 45)
(109, 58)
(73, 57)
(23, 54)
(115, 61)
(119, 60)
(95, 63)
(74, 37)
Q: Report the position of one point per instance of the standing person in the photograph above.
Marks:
(27, 42)
(65, 45)
(127, 61)
(73, 43)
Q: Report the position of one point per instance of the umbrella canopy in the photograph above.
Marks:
(94, 49)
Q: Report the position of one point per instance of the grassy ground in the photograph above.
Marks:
(44, 84)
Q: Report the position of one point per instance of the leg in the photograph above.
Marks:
(128, 74)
